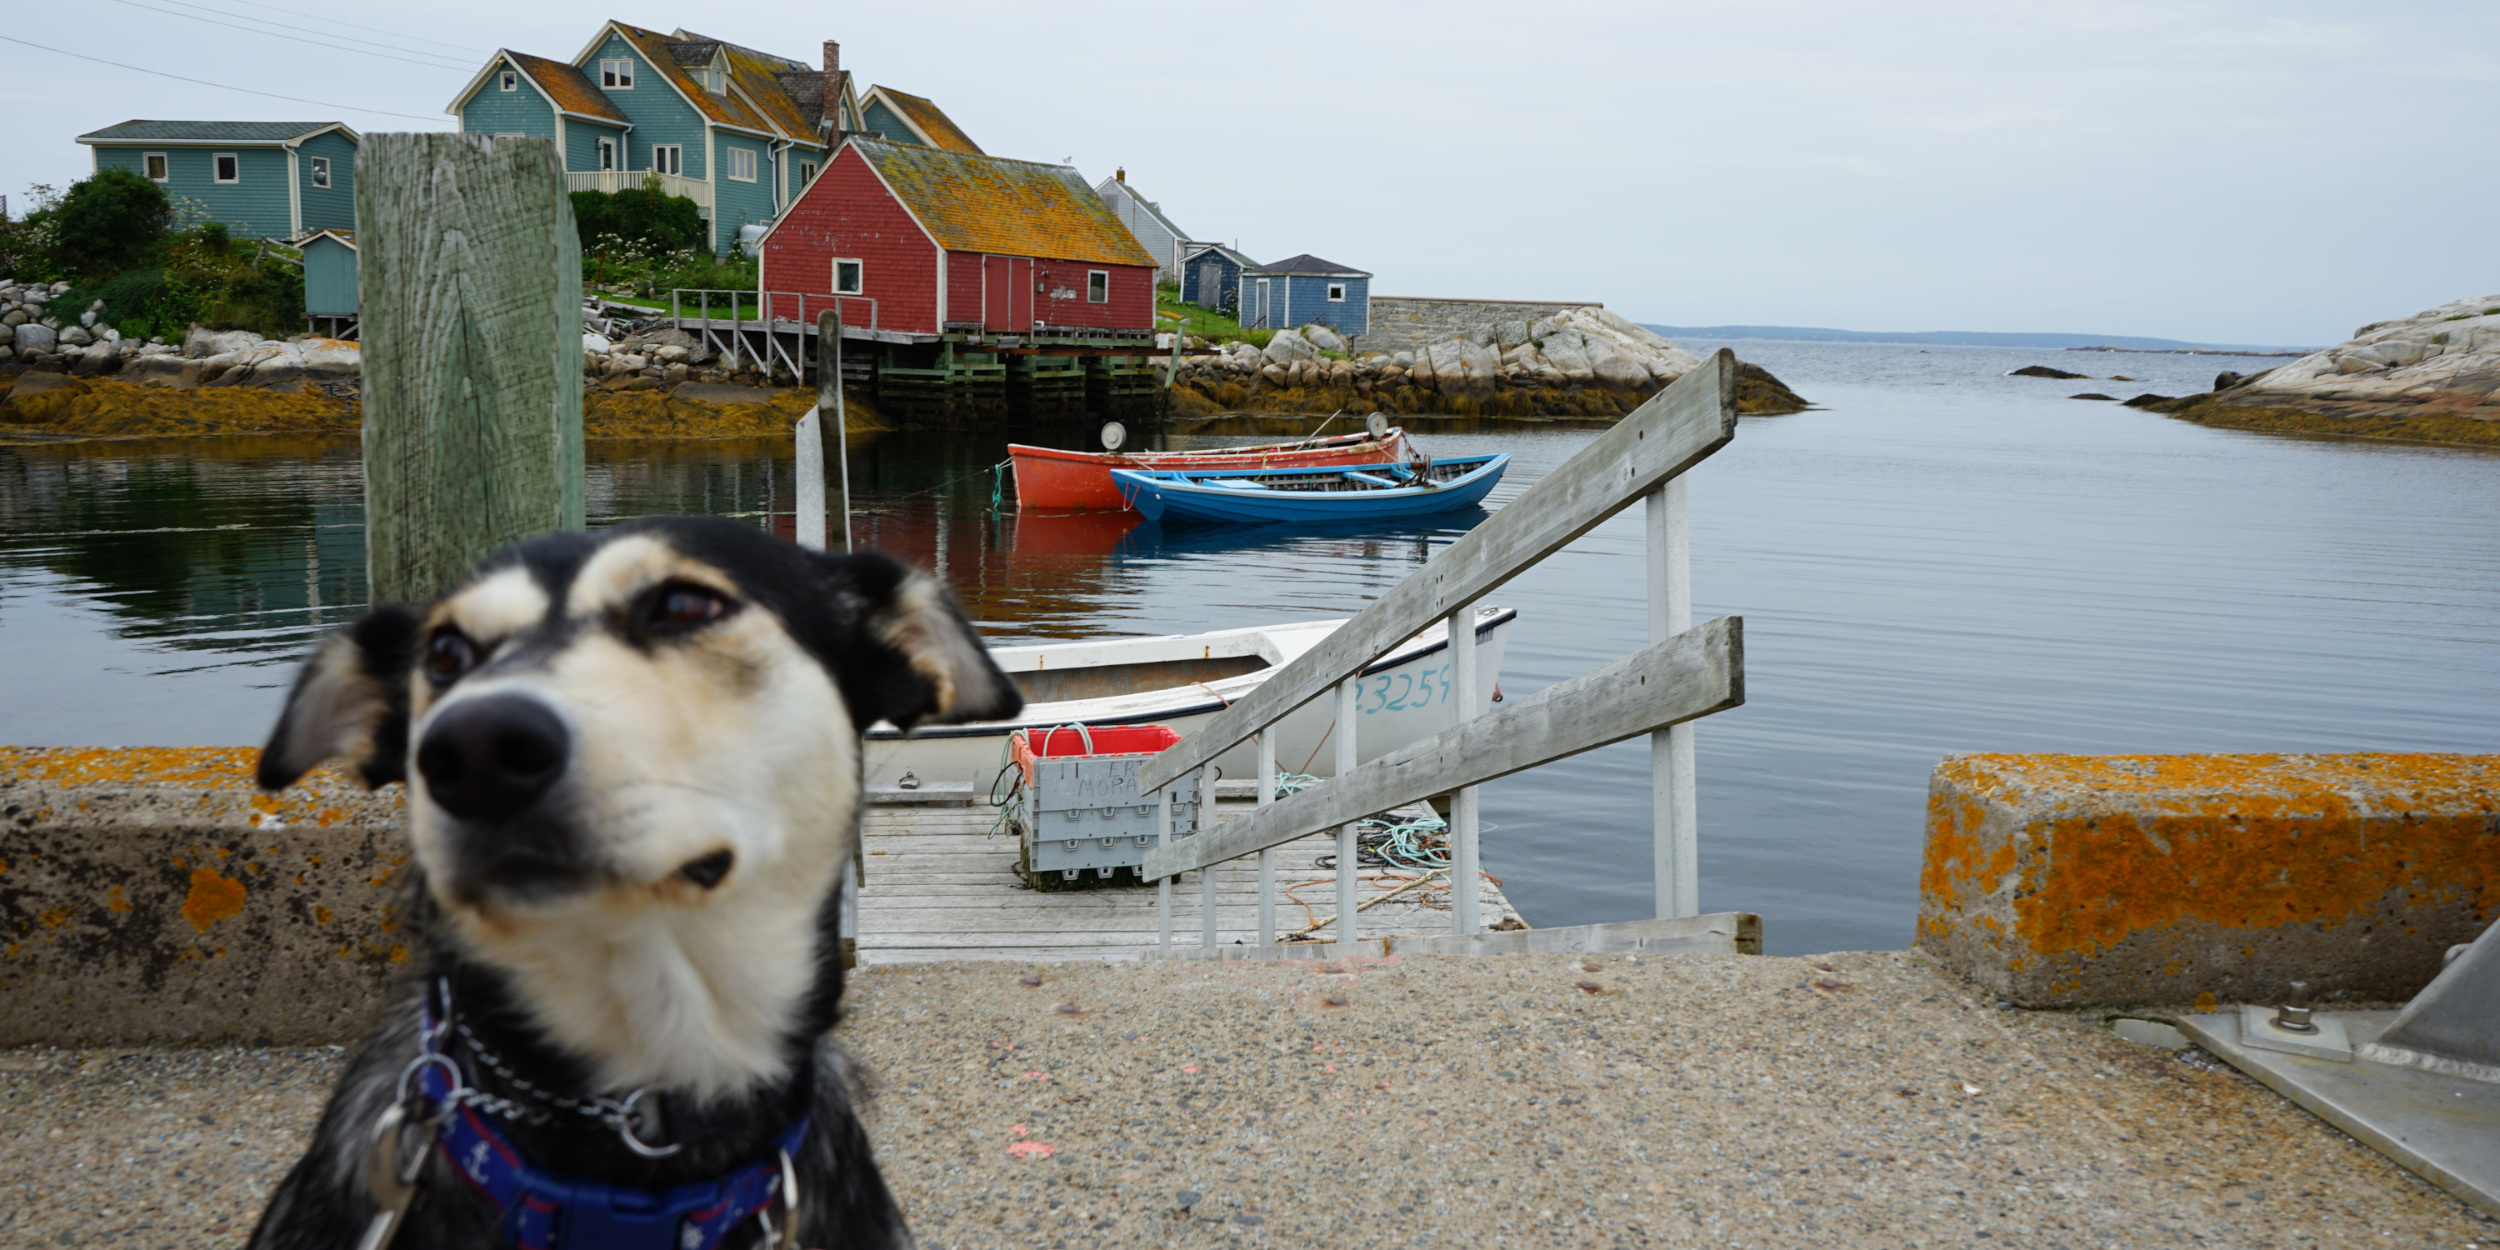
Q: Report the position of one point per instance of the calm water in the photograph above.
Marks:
(1939, 559)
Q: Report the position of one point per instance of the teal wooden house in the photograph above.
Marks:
(330, 283)
(273, 180)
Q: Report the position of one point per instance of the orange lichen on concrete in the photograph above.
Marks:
(213, 898)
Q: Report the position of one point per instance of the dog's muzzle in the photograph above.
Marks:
(491, 764)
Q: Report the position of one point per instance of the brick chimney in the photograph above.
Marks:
(1120, 174)
(833, 60)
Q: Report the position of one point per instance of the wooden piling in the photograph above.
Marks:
(470, 288)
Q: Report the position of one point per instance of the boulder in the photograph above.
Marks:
(596, 344)
(1509, 334)
(1419, 369)
(164, 370)
(1563, 348)
(76, 336)
(2041, 371)
(1274, 374)
(33, 337)
(2094, 395)
(13, 318)
(1288, 346)
(1323, 338)
(206, 343)
(87, 319)
(1462, 367)
(2223, 381)
(7, 354)
(672, 353)
(1613, 363)
(331, 360)
(94, 359)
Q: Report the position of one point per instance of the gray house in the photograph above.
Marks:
(1164, 241)
(272, 180)
(1305, 289)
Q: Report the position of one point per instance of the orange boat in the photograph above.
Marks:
(1047, 477)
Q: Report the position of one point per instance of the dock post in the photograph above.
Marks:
(1463, 891)
(832, 427)
(1675, 855)
(1348, 697)
(1206, 875)
(1267, 857)
(471, 285)
(1163, 886)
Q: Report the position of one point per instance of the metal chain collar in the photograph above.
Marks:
(618, 1115)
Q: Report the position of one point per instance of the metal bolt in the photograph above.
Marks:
(2293, 1017)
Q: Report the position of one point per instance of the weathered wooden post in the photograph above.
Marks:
(470, 284)
(1675, 842)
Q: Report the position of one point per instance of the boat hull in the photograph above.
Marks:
(1403, 697)
(1047, 477)
(1163, 496)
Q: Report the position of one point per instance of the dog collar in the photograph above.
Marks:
(544, 1212)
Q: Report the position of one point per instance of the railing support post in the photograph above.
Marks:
(1463, 891)
(1163, 886)
(1675, 857)
(1348, 692)
(1206, 875)
(1267, 857)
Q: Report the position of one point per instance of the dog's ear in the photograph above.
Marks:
(921, 662)
(352, 700)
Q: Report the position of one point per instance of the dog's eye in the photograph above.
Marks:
(682, 606)
(449, 655)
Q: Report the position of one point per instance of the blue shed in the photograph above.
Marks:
(330, 282)
(272, 180)
(1211, 277)
(1303, 290)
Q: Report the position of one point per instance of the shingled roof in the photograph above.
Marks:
(932, 121)
(568, 86)
(975, 203)
(143, 131)
(1308, 264)
(725, 110)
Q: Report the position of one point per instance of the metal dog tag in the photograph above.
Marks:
(391, 1166)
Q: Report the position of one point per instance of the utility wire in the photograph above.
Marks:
(352, 108)
(463, 53)
(255, 30)
(326, 18)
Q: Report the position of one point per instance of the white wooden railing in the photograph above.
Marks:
(1684, 674)
(776, 313)
(615, 180)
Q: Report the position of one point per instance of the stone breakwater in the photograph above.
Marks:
(1578, 362)
(2433, 377)
(1404, 322)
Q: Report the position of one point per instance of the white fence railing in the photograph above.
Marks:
(1684, 674)
(615, 180)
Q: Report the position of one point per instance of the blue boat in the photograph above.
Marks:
(1363, 492)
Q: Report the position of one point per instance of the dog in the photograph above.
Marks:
(633, 771)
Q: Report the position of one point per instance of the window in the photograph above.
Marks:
(155, 162)
(742, 164)
(807, 172)
(607, 154)
(321, 171)
(1097, 286)
(1336, 292)
(511, 81)
(229, 167)
(848, 277)
(668, 158)
(617, 74)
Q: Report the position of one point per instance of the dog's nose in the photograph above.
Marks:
(492, 757)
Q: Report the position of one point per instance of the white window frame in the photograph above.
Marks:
(668, 158)
(807, 172)
(158, 161)
(616, 74)
(1097, 278)
(859, 275)
(607, 155)
(321, 173)
(510, 80)
(214, 159)
(1336, 292)
(736, 157)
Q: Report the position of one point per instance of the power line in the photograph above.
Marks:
(254, 30)
(352, 108)
(329, 20)
(394, 47)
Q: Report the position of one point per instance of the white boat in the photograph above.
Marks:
(1183, 680)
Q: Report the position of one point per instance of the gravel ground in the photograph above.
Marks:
(1860, 1099)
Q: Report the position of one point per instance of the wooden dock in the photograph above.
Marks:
(937, 886)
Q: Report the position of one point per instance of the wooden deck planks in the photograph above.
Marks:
(938, 887)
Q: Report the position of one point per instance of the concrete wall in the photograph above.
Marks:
(1403, 323)
(157, 896)
(2188, 880)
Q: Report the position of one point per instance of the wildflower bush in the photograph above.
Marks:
(619, 265)
(199, 277)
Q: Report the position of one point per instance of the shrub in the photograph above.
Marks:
(26, 243)
(110, 221)
(645, 218)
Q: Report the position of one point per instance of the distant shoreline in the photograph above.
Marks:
(1971, 338)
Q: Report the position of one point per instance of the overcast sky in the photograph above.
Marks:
(2273, 172)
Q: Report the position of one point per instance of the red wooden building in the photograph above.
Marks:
(1010, 255)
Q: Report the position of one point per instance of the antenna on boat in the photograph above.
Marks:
(1113, 434)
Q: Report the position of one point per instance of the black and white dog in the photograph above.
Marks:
(633, 777)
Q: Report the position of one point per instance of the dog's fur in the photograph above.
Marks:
(663, 913)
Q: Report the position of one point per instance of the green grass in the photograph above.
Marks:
(1198, 322)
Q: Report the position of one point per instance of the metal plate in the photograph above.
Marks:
(2440, 1127)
